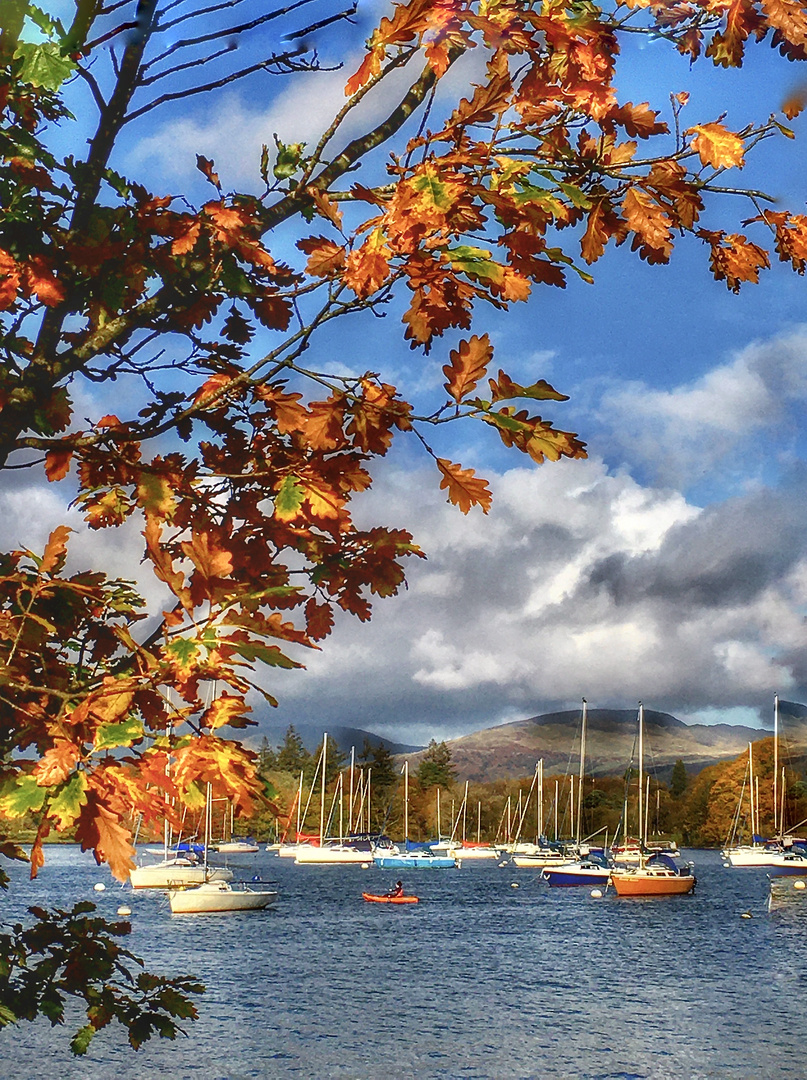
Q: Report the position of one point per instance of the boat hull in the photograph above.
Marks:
(310, 856)
(649, 883)
(166, 875)
(414, 862)
(573, 874)
(373, 899)
(219, 896)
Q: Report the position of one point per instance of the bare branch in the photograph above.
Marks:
(286, 59)
(216, 35)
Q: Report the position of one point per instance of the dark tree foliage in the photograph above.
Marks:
(292, 756)
(679, 781)
(73, 954)
(436, 770)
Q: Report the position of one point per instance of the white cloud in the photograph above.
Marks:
(685, 432)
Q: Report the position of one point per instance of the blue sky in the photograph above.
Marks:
(670, 566)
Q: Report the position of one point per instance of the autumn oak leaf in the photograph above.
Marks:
(717, 146)
(464, 488)
(468, 365)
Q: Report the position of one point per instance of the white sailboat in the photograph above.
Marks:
(219, 895)
(329, 851)
(175, 868)
(412, 858)
(586, 868)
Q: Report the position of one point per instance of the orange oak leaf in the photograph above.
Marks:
(275, 312)
(57, 464)
(370, 67)
(318, 619)
(468, 365)
(717, 146)
(53, 558)
(99, 830)
(367, 268)
(10, 277)
(795, 102)
(326, 206)
(163, 563)
(323, 424)
(57, 763)
(465, 489)
(187, 240)
(209, 557)
(649, 222)
(325, 257)
(226, 709)
(112, 700)
(41, 281)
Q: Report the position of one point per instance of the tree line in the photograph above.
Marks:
(696, 809)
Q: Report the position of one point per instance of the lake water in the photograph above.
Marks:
(480, 980)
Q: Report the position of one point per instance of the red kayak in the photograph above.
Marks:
(390, 899)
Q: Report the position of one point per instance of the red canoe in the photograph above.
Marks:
(390, 899)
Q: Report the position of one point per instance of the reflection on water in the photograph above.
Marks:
(480, 980)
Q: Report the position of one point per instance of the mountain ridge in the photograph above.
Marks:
(513, 749)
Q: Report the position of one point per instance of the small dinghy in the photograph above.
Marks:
(373, 899)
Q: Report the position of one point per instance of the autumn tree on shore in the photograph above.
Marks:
(498, 158)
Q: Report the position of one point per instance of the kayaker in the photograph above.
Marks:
(397, 891)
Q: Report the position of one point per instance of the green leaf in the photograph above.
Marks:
(474, 261)
(122, 734)
(288, 159)
(267, 654)
(289, 498)
(429, 183)
(6, 1016)
(80, 1042)
(44, 65)
(22, 795)
(575, 196)
(183, 653)
(66, 805)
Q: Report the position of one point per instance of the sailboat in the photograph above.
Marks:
(218, 895)
(175, 867)
(393, 858)
(328, 851)
(589, 868)
(526, 854)
(656, 874)
(463, 848)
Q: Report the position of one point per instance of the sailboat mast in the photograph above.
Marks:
(478, 821)
(642, 837)
(208, 822)
(405, 771)
(541, 797)
(322, 800)
(775, 764)
(578, 826)
(754, 826)
(350, 799)
(556, 809)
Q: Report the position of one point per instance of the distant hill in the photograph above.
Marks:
(344, 737)
(513, 749)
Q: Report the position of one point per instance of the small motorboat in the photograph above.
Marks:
(373, 899)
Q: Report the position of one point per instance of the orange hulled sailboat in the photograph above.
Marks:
(656, 873)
